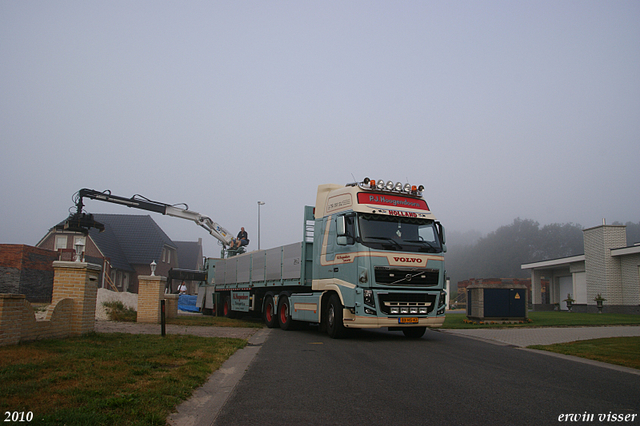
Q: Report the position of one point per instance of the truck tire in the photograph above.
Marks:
(333, 318)
(414, 332)
(226, 308)
(269, 312)
(284, 315)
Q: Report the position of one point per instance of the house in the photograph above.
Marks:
(125, 249)
(608, 268)
(190, 257)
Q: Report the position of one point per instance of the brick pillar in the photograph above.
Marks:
(77, 281)
(150, 292)
(11, 318)
(171, 305)
(602, 269)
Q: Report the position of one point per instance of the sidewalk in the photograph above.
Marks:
(523, 337)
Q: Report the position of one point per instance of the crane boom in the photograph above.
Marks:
(82, 222)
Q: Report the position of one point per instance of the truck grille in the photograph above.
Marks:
(407, 304)
(406, 276)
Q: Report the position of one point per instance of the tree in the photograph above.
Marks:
(502, 252)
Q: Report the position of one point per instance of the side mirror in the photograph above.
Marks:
(345, 230)
(441, 234)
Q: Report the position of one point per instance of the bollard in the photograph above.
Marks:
(163, 327)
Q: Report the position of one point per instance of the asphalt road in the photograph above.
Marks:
(382, 378)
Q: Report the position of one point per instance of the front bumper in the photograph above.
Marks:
(356, 321)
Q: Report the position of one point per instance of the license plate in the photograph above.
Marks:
(407, 320)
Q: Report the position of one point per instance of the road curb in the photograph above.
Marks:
(588, 361)
(202, 408)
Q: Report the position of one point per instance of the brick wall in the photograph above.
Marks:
(72, 309)
(27, 270)
(56, 325)
(630, 269)
(10, 318)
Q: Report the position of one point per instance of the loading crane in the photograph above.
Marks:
(82, 222)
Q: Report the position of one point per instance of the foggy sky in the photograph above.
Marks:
(500, 109)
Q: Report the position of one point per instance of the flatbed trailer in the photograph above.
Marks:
(371, 257)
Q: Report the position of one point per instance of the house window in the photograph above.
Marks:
(61, 242)
(166, 255)
(125, 281)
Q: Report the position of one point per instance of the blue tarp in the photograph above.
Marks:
(187, 303)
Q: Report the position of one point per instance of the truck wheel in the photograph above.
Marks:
(284, 316)
(269, 313)
(226, 308)
(414, 332)
(335, 326)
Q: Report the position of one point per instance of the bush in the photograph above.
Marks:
(116, 311)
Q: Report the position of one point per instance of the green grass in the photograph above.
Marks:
(209, 321)
(623, 351)
(107, 379)
(550, 319)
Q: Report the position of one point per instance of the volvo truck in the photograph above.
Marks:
(371, 256)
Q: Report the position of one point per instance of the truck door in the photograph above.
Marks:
(324, 248)
(344, 246)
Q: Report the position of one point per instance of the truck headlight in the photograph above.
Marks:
(443, 298)
(368, 298)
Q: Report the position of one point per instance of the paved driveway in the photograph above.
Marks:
(523, 337)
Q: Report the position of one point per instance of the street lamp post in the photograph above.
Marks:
(260, 203)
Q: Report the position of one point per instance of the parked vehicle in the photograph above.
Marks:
(371, 256)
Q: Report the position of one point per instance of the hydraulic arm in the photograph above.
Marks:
(82, 222)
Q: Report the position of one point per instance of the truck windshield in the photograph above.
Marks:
(398, 233)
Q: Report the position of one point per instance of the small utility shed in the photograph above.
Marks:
(608, 268)
(502, 300)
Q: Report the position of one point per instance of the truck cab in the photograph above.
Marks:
(379, 250)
